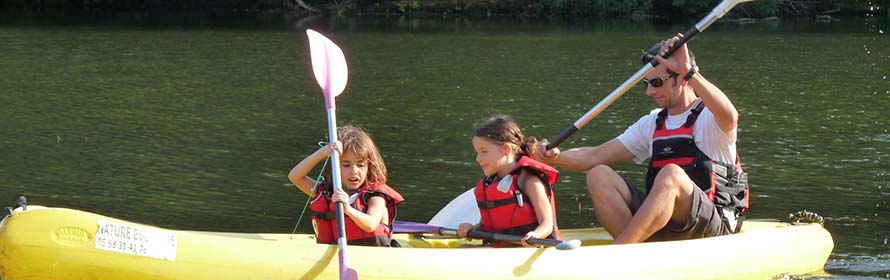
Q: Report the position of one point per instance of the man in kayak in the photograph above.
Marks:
(695, 186)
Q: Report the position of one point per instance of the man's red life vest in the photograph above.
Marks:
(324, 216)
(507, 210)
(725, 184)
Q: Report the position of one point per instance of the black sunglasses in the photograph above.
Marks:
(657, 82)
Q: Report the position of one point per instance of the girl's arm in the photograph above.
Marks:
(377, 212)
(465, 228)
(536, 191)
(299, 174)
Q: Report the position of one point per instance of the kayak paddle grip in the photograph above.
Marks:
(562, 137)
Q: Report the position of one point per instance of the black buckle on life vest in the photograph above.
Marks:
(659, 122)
(696, 110)
(490, 179)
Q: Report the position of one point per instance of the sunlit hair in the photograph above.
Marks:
(504, 130)
(358, 142)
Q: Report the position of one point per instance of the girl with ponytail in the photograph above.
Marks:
(516, 194)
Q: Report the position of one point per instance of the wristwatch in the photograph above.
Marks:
(691, 73)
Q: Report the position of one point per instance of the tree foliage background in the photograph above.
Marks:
(526, 8)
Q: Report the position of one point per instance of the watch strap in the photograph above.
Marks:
(691, 73)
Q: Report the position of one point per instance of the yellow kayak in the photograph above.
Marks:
(59, 243)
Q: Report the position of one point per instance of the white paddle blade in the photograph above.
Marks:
(328, 64)
(568, 245)
(462, 209)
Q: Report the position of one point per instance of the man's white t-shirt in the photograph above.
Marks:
(708, 136)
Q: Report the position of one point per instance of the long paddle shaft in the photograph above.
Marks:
(329, 66)
(715, 14)
(412, 227)
(335, 171)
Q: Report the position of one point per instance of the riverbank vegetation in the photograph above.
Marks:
(634, 9)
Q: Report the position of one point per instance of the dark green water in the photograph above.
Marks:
(195, 126)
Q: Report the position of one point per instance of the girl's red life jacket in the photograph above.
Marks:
(324, 213)
(505, 209)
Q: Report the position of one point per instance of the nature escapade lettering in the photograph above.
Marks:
(136, 240)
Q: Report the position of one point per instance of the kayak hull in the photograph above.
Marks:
(59, 243)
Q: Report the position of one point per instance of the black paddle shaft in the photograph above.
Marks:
(686, 37)
(494, 236)
(511, 238)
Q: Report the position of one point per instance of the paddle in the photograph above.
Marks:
(412, 227)
(461, 209)
(715, 14)
(329, 66)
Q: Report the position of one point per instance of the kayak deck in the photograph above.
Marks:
(59, 243)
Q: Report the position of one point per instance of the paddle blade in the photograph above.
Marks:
(412, 227)
(328, 64)
(568, 245)
(460, 210)
(349, 274)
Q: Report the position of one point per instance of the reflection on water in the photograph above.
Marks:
(859, 267)
(196, 128)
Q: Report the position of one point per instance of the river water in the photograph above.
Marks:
(194, 124)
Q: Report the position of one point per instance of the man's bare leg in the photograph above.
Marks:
(611, 198)
(670, 200)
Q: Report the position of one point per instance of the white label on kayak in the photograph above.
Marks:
(136, 240)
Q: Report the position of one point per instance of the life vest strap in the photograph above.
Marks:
(696, 110)
(495, 203)
(327, 216)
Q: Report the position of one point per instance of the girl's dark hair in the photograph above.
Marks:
(504, 130)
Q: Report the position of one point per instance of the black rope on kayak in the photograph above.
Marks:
(805, 217)
(317, 182)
